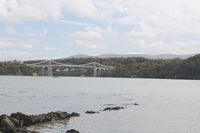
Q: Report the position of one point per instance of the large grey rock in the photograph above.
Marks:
(24, 119)
(72, 131)
(63, 115)
(6, 122)
(15, 122)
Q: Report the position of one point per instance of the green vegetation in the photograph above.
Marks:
(124, 67)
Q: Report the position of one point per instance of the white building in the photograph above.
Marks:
(66, 70)
(57, 70)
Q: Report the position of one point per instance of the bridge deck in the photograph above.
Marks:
(49, 64)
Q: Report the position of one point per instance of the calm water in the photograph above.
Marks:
(165, 106)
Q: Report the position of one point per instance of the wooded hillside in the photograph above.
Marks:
(124, 67)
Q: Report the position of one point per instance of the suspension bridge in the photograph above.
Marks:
(47, 65)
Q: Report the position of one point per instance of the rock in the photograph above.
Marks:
(39, 118)
(53, 116)
(28, 120)
(73, 114)
(15, 121)
(91, 112)
(24, 119)
(63, 115)
(72, 131)
(57, 115)
(114, 108)
(24, 130)
(16, 130)
(5, 122)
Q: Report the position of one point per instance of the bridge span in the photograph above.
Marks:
(48, 64)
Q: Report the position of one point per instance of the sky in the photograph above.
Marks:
(50, 29)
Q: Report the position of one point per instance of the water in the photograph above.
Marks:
(165, 106)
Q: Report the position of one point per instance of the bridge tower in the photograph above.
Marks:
(47, 69)
(94, 70)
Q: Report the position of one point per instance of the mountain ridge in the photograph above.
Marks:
(159, 56)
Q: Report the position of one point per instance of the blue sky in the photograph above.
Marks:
(49, 29)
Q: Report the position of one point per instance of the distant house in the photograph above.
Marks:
(73, 70)
(35, 74)
(134, 76)
(66, 70)
(57, 70)
(84, 70)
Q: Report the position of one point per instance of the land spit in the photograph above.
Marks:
(16, 122)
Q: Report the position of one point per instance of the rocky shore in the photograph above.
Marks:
(16, 122)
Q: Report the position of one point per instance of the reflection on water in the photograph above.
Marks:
(165, 106)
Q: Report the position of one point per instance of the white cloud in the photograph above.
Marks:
(17, 55)
(27, 46)
(51, 48)
(44, 32)
(173, 47)
(86, 44)
(10, 30)
(75, 23)
(156, 12)
(134, 53)
(85, 9)
(108, 32)
(188, 47)
(125, 20)
(29, 32)
(16, 41)
(17, 11)
(94, 37)
(88, 35)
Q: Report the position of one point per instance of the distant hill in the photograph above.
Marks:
(160, 56)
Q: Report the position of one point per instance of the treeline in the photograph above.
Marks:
(16, 68)
(124, 67)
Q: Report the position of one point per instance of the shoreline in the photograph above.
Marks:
(17, 122)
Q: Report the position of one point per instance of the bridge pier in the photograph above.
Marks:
(43, 71)
(94, 72)
(100, 72)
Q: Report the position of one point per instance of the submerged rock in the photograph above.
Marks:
(91, 112)
(113, 108)
(72, 131)
(73, 114)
